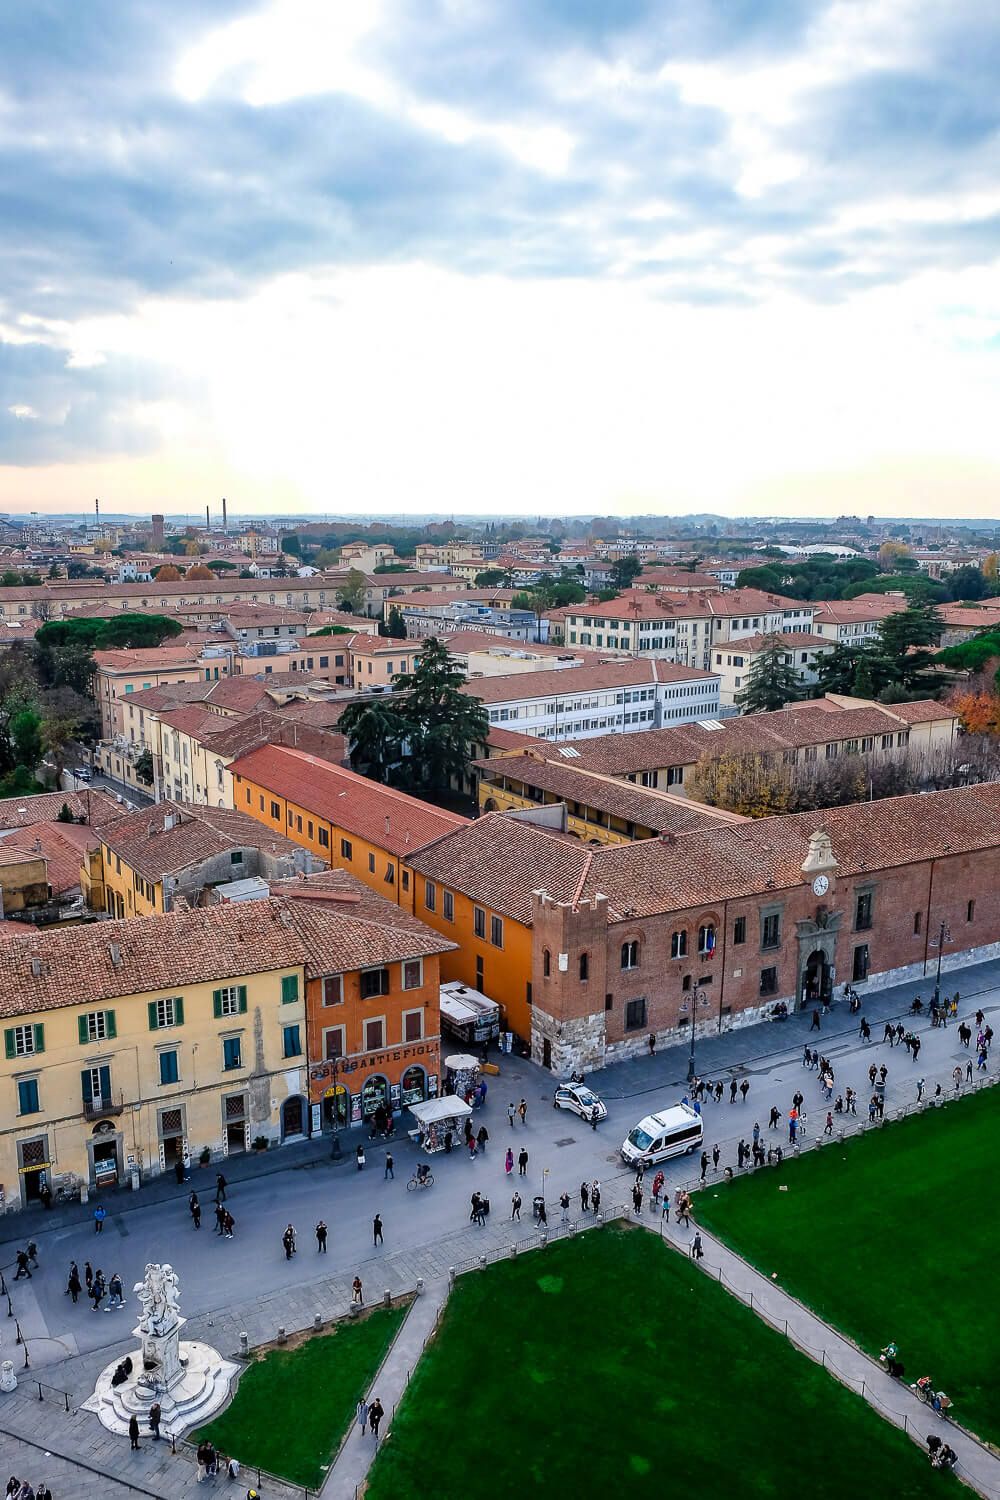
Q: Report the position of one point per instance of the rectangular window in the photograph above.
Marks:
(480, 973)
(24, 1041)
(448, 906)
(860, 966)
(333, 990)
(96, 1026)
(970, 911)
(479, 921)
(609, 1001)
(635, 1013)
(675, 775)
(496, 931)
(275, 810)
(413, 1025)
(291, 1041)
(232, 1053)
(169, 1071)
(346, 851)
(863, 911)
(229, 1001)
(168, 1012)
(374, 1035)
(324, 837)
(413, 974)
(430, 895)
(678, 944)
(374, 982)
(769, 981)
(740, 930)
(333, 1042)
(27, 1096)
(289, 988)
(918, 922)
(371, 864)
(770, 931)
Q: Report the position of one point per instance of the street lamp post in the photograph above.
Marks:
(698, 997)
(944, 936)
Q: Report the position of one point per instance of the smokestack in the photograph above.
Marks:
(97, 509)
(208, 520)
(225, 519)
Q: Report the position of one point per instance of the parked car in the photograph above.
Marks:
(580, 1099)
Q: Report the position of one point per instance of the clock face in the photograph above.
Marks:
(821, 885)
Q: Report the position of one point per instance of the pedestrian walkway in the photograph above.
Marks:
(350, 1468)
(978, 1466)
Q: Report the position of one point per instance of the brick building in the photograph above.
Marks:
(599, 947)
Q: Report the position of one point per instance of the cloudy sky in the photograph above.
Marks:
(532, 256)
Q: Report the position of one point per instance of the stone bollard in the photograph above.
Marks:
(513, 1249)
(451, 1275)
(244, 1343)
(543, 1238)
(282, 1336)
(135, 1181)
(84, 1193)
(8, 1380)
(482, 1262)
(387, 1297)
(354, 1311)
(420, 1286)
(318, 1323)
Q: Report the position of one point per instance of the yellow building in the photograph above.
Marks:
(130, 1045)
(122, 672)
(153, 857)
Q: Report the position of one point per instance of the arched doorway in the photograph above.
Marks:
(336, 1107)
(491, 805)
(375, 1092)
(817, 980)
(292, 1117)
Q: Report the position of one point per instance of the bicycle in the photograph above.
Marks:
(420, 1182)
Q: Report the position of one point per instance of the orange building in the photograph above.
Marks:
(372, 999)
(350, 822)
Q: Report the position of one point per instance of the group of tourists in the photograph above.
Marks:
(20, 1489)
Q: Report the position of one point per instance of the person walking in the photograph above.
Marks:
(476, 1216)
(865, 1031)
(716, 1153)
(515, 1206)
(733, 1091)
(321, 1233)
(773, 1118)
(375, 1414)
(920, 1089)
(73, 1285)
(745, 1089)
(828, 1127)
(228, 1224)
(32, 1250)
(361, 1415)
(584, 1196)
(194, 1209)
(389, 1168)
(815, 1022)
(651, 1043)
(889, 1034)
(133, 1433)
(88, 1276)
(377, 1230)
(542, 1216)
(22, 1265)
(522, 1110)
(697, 1252)
(97, 1290)
(595, 1196)
(155, 1417)
(117, 1292)
(704, 1164)
(968, 1071)
(508, 1162)
(220, 1219)
(522, 1163)
(684, 1211)
(482, 1136)
(359, 1157)
(594, 1116)
(100, 1214)
(637, 1198)
(357, 1292)
(564, 1205)
(510, 1114)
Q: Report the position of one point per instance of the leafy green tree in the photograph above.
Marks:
(376, 731)
(444, 724)
(26, 738)
(291, 544)
(771, 681)
(59, 731)
(491, 578)
(395, 625)
(64, 815)
(967, 583)
(144, 767)
(626, 570)
(351, 593)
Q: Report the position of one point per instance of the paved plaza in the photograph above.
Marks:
(247, 1285)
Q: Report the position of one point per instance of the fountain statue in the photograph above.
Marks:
(189, 1380)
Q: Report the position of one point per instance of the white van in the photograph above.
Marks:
(671, 1132)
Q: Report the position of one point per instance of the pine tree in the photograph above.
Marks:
(772, 681)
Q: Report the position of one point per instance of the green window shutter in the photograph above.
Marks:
(81, 1022)
(179, 1011)
(39, 1037)
(87, 1084)
(289, 988)
(153, 1022)
(242, 992)
(109, 1023)
(217, 1003)
(8, 1042)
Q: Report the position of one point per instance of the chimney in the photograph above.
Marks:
(115, 952)
(208, 520)
(387, 824)
(225, 519)
(666, 837)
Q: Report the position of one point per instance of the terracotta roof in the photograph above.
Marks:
(923, 711)
(169, 695)
(135, 659)
(387, 818)
(238, 695)
(190, 719)
(499, 860)
(63, 846)
(345, 926)
(660, 811)
(319, 713)
(793, 640)
(556, 682)
(161, 953)
(146, 843)
(850, 611)
(640, 604)
(25, 812)
(381, 645)
(240, 736)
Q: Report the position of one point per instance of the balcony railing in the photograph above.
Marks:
(100, 1108)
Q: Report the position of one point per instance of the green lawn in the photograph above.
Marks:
(890, 1236)
(609, 1364)
(292, 1407)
